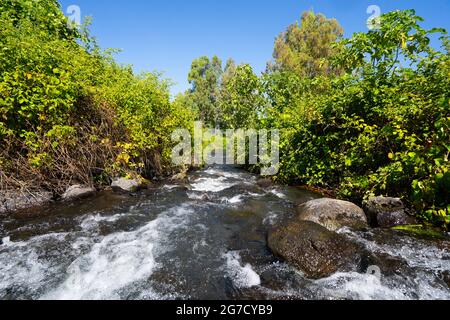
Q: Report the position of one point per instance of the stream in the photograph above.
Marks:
(202, 240)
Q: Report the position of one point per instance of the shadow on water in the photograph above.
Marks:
(205, 239)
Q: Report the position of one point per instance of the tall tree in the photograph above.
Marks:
(306, 47)
(241, 97)
(205, 77)
(229, 71)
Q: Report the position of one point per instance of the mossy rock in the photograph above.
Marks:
(422, 231)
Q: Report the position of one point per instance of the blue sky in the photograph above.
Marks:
(166, 35)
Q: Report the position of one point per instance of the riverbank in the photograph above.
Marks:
(382, 212)
(15, 201)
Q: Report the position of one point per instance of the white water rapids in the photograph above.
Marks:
(206, 240)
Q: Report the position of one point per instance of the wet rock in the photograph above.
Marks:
(396, 218)
(78, 192)
(446, 277)
(264, 183)
(126, 185)
(387, 212)
(180, 177)
(333, 214)
(314, 250)
(396, 250)
(388, 265)
(11, 201)
(2, 234)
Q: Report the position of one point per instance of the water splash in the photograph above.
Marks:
(243, 276)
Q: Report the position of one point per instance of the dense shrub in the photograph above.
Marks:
(381, 128)
(68, 112)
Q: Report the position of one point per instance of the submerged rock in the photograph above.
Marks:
(333, 214)
(265, 183)
(388, 264)
(314, 250)
(387, 212)
(401, 253)
(11, 201)
(180, 177)
(78, 192)
(126, 185)
(446, 277)
(2, 234)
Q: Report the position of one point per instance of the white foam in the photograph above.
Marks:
(242, 276)
(6, 241)
(233, 200)
(271, 219)
(416, 252)
(92, 221)
(216, 172)
(170, 186)
(257, 195)
(211, 185)
(278, 193)
(358, 287)
(119, 260)
(21, 264)
(197, 196)
(102, 267)
(368, 287)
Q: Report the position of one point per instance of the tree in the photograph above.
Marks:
(204, 77)
(382, 127)
(229, 72)
(306, 48)
(399, 41)
(241, 98)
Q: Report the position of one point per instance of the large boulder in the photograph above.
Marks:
(314, 250)
(385, 212)
(333, 214)
(126, 185)
(78, 192)
(11, 201)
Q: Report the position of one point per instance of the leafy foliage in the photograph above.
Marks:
(240, 99)
(205, 76)
(380, 128)
(362, 116)
(305, 47)
(68, 112)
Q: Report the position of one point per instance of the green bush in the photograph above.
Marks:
(380, 128)
(68, 112)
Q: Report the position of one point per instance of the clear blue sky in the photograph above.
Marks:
(166, 35)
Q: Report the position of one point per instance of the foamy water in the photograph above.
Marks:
(243, 275)
(212, 184)
(205, 241)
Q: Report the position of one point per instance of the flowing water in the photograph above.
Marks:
(202, 240)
